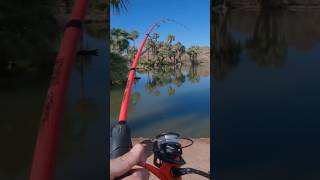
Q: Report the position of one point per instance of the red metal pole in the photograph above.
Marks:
(45, 149)
(125, 101)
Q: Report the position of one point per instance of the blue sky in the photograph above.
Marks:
(194, 14)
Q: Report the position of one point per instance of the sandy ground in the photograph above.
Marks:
(197, 156)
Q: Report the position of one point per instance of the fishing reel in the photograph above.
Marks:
(167, 148)
(167, 151)
(168, 158)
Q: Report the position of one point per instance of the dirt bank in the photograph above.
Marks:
(197, 156)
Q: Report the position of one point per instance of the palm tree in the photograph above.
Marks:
(193, 54)
(162, 53)
(119, 40)
(179, 50)
(155, 38)
(148, 46)
(170, 38)
(131, 53)
(119, 5)
(133, 36)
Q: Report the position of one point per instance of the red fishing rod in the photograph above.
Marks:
(121, 135)
(45, 149)
(167, 149)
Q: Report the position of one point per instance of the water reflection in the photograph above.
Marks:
(30, 35)
(159, 101)
(226, 53)
(266, 105)
(267, 47)
(28, 49)
(83, 132)
(164, 76)
(263, 36)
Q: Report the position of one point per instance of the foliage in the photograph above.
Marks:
(118, 68)
(119, 40)
(158, 52)
(119, 5)
(193, 54)
(25, 42)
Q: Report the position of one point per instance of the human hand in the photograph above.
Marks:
(125, 163)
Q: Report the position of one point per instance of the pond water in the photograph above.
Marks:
(266, 95)
(83, 134)
(168, 99)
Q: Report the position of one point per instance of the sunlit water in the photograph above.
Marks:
(168, 100)
(266, 96)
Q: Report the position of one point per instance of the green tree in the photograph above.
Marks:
(118, 68)
(193, 54)
(162, 53)
(156, 45)
(170, 52)
(170, 38)
(119, 40)
(131, 53)
(179, 50)
(149, 45)
(133, 36)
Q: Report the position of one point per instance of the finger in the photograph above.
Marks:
(124, 163)
(138, 174)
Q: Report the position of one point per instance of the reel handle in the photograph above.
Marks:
(120, 140)
(163, 173)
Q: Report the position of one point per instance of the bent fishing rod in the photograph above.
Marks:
(167, 149)
(44, 156)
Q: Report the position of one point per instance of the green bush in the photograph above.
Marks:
(118, 69)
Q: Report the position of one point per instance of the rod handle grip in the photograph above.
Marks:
(120, 140)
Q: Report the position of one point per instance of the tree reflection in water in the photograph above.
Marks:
(172, 77)
(226, 50)
(267, 47)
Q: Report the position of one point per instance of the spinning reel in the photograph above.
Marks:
(168, 158)
(167, 152)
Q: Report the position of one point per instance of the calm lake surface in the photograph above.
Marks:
(167, 100)
(266, 96)
(83, 134)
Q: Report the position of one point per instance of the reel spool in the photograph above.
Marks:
(167, 149)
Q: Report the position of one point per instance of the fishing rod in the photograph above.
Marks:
(167, 149)
(121, 135)
(43, 162)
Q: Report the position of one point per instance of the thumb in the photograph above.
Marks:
(123, 164)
